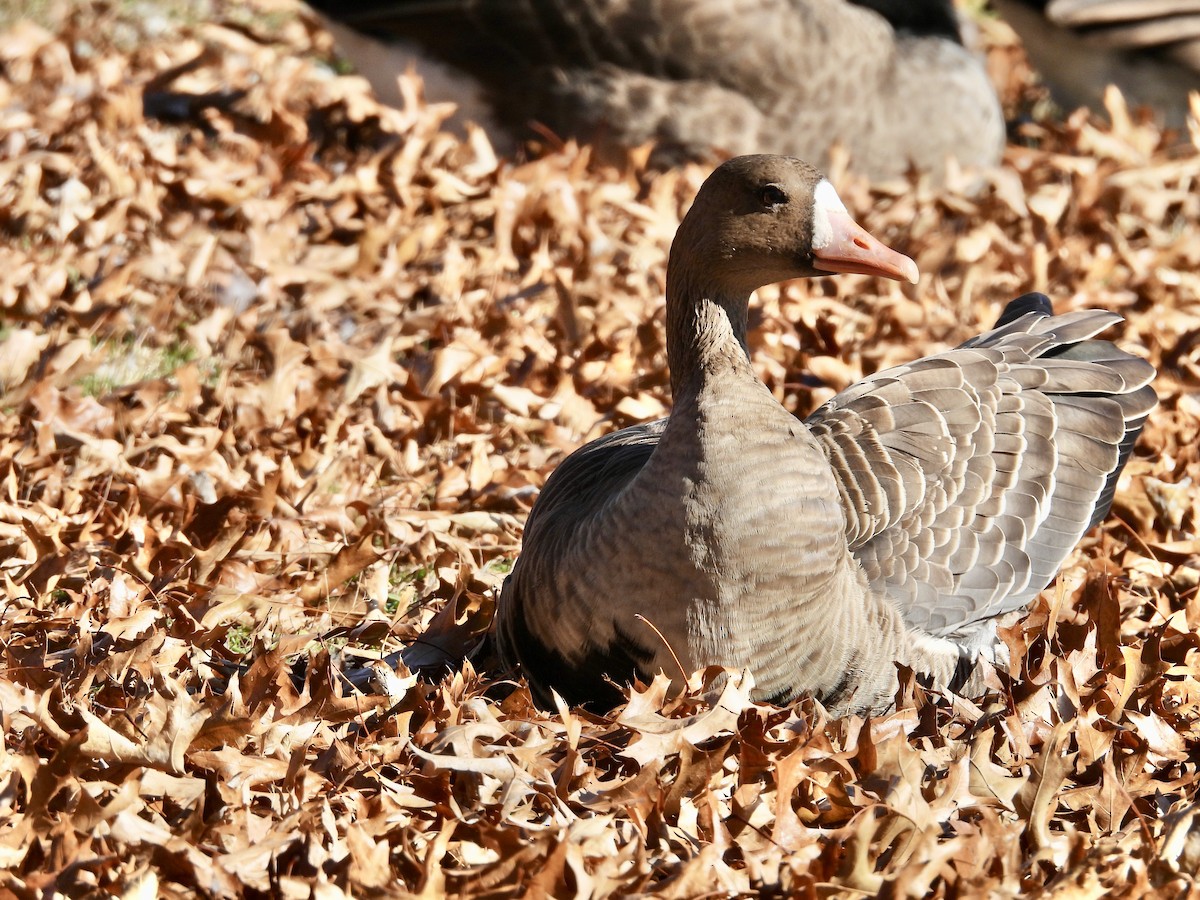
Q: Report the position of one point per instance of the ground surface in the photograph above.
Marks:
(281, 371)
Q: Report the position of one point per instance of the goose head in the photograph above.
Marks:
(758, 220)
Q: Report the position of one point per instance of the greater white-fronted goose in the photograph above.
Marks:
(889, 79)
(1150, 49)
(894, 524)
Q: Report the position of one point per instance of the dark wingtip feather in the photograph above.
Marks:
(1133, 428)
(1026, 303)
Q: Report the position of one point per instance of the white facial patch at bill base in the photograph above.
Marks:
(826, 200)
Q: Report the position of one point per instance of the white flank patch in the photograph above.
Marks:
(826, 201)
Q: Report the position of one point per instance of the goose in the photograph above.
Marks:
(1150, 49)
(893, 525)
(888, 79)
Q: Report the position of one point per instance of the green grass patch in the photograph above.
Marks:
(239, 639)
(131, 362)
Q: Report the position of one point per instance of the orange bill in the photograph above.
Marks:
(851, 248)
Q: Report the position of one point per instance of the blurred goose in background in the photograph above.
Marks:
(894, 524)
(888, 79)
(1150, 49)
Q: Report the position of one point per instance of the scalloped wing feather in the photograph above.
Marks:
(969, 476)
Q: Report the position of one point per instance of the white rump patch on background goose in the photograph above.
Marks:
(826, 201)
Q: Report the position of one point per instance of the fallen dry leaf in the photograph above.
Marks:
(282, 371)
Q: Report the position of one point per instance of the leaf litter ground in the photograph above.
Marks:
(282, 371)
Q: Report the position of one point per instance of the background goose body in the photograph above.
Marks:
(894, 524)
(1150, 49)
(889, 80)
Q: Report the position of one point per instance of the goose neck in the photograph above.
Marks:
(706, 335)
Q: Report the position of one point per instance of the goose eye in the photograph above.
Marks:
(772, 195)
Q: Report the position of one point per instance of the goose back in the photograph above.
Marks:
(969, 476)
